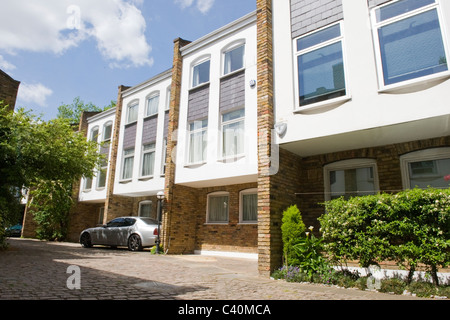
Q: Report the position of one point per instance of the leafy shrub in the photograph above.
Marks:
(292, 232)
(394, 285)
(411, 228)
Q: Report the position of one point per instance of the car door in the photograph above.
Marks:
(124, 230)
(111, 230)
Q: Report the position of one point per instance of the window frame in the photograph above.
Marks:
(124, 158)
(252, 191)
(150, 97)
(321, 45)
(145, 202)
(343, 165)
(432, 154)
(204, 131)
(223, 123)
(401, 17)
(143, 153)
(104, 138)
(196, 64)
(134, 104)
(234, 46)
(208, 206)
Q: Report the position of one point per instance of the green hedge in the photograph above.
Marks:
(411, 227)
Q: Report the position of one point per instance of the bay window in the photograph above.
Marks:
(408, 40)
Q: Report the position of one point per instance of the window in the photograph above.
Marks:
(198, 141)
(132, 113)
(234, 59)
(102, 174)
(145, 209)
(152, 105)
(101, 214)
(94, 134)
(217, 207)
(164, 157)
(351, 178)
(320, 65)
(148, 160)
(248, 206)
(233, 133)
(87, 184)
(408, 40)
(128, 161)
(426, 168)
(201, 73)
(107, 131)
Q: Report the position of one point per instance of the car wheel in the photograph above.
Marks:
(134, 243)
(85, 240)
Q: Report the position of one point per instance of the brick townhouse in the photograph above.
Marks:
(298, 102)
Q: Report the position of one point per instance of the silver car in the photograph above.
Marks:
(134, 232)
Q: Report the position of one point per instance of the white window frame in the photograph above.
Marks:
(124, 157)
(150, 98)
(375, 27)
(168, 96)
(103, 169)
(199, 62)
(104, 137)
(87, 184)
(164, 158)
(230, 48)
(91, 136)
(218, 194)
(130, 106)
(222, 155)
(203, 131)
(143, 153)
(332, 101)
(253, 191)
(348, 165)
(421, 155)
(145, 202)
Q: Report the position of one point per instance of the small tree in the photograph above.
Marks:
(292, 231)
(44, 156)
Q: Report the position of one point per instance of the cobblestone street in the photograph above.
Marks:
(32, 269)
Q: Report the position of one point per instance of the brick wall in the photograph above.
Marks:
(8, 90)
(311, 174)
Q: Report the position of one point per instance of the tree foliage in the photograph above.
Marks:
(73, 111)
(37, 154)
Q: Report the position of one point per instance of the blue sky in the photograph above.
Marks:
(62, 49)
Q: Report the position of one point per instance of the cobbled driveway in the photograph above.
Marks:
(32, 269)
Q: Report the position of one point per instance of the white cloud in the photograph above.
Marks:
(34, 94)
(117, 26)
(5, 65)
(202, 5)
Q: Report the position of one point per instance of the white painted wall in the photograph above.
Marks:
(136, 186)
(96, 194)
(371, 117)
(215, 171)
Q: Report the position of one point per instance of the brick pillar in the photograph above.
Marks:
(115, 206)
(269, 232)
(171, 215)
